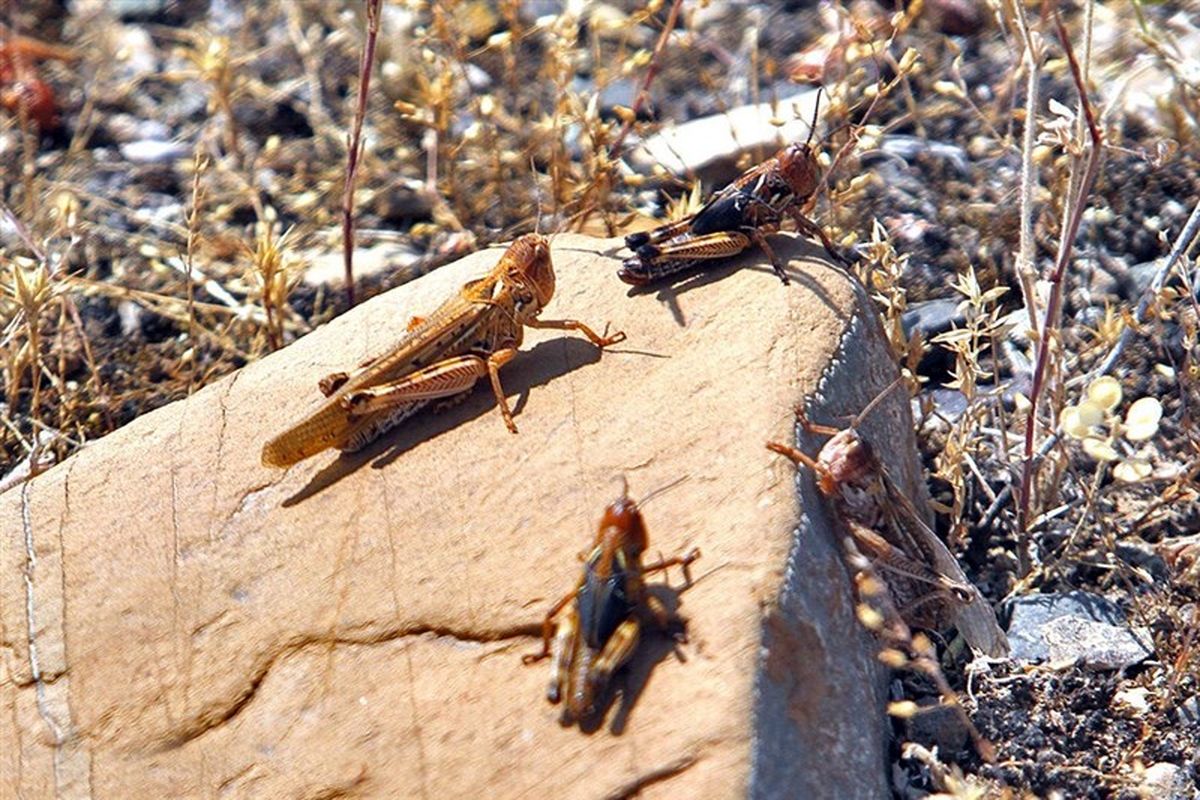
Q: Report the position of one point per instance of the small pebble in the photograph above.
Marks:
(1167, 781)
(147, 151)
(1134, 700)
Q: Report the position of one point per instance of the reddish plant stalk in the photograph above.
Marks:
(651, 71)
(1051, 320)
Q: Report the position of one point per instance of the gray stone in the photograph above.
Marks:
(932, 317)
(1167, 781)
(702, 146)
(152, 151)
(1075, 627)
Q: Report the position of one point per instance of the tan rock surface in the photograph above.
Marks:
(178, 620)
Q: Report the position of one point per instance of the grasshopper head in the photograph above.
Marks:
(528, 267)
(622, 527)
(798, 164)
(848, 461)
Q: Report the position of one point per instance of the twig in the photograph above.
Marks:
(1026, 272)
(644, 90)
(355, 145)
(1054, 305)
(199, 164)
(1182, 243)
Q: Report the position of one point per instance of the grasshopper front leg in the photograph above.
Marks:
(809, 228)
(684, 561)
(442, 379)
(798, 457)
(776, 264)
(576, 325)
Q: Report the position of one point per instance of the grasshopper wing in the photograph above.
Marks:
(975, 620)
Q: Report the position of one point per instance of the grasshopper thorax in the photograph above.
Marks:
(529, 271)
(799, 168)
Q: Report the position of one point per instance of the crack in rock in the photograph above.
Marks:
(219, 713)
(72, 763)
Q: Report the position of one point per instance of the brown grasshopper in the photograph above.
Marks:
(600, 631)
(733, 219)
(470, 336)
(925, 581)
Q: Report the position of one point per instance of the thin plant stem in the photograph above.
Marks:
(1026, 272)
(355, 145)
(643, 94)
(1052, 315)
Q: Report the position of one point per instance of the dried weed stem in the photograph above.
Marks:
(1049, 334)
(354, 145)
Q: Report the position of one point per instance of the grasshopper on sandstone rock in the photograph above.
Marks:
(470, 336)
(926, 584)
(600, 630)
(733, 219)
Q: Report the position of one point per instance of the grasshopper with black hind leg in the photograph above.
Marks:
(470, 336)
(605, 612)
(734, 218)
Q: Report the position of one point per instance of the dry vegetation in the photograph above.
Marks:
(1041, 173)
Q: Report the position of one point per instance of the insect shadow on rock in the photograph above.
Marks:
(602, 618)
(547, 361)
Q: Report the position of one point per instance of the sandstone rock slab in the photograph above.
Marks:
(178, 620)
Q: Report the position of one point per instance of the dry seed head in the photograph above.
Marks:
(1082, 420)
(30, 288)
(922, 645)
(1100, 450)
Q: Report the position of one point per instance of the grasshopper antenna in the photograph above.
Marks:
(658, 491)
(537, 196)
(876, 401)
(812, 127)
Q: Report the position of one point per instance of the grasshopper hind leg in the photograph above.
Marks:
(379, 425)
(654, 261)
(560, 658)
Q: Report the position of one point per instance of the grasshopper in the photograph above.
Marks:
(733, 219)
(925, 581)
(600, 631)
(469, 336)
